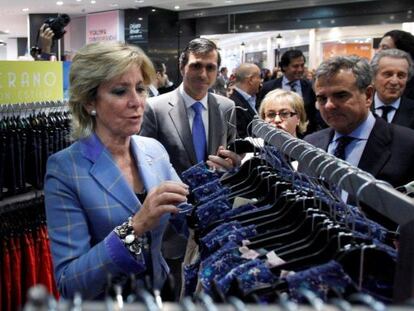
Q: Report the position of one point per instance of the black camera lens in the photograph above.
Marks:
(57, 25)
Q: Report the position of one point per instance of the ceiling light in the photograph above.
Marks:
(59, 3)
(228, 1)
(153, 10)
(177, 7)
(25, 9)
(113, 5)
(93, 1)
(78, 0)
(139, 1)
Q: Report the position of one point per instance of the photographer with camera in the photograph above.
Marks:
(46, 35)
(51, 30)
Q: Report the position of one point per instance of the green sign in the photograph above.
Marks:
(29, 81)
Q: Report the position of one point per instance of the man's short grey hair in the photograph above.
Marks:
(393, 53)
(358, 65)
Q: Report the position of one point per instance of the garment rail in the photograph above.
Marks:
(377, 194)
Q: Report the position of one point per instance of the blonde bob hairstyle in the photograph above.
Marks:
(94, 64)
(293, 99)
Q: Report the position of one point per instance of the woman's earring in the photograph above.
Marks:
(93, 113)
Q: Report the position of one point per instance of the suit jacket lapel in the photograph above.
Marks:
(377, 150)
(145, 164)
(324, 141)
(215, 125)
(404, 114)
(244, 103)
(107, 174)
(177, 113)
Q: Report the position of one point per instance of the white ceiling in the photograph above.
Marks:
(13, 20)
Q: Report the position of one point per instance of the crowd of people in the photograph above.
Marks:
(112, 196)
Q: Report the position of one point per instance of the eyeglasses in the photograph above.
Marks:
(283, 115)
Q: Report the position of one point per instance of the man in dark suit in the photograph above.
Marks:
(344, 94)
(220, 87)
(392, 69)
(248, 80)
(292, 64)
(192, 123)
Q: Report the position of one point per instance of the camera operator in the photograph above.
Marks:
(52, 30)
(46, 35)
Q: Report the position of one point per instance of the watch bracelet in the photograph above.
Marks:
(125, 230)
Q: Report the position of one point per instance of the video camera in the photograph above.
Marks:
(57, 25)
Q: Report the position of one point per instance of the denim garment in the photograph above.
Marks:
(190, 274)
(277, 160)
(224, 192)
(258, 276)
(207, 190)
(199, 174)
(321, 280)
(223, 284)
(224, 227)
(237, 211)
(218, 264)
(211, 211)
(352, 215)
(210, 243)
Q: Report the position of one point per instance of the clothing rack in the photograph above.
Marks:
(378, 195)
(19, 107)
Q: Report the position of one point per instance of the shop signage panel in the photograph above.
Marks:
(103, 27)
(28, 81)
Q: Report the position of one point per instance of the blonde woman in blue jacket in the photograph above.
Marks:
(111, 193)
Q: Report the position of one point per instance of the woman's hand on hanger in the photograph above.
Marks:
(224, 159)
(159, 201)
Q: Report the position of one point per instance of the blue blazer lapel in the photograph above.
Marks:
(107, 174)
(145, 163)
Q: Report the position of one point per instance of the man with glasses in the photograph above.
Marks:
(193, 125)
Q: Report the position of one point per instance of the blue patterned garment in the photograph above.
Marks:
(190, 277)
(207, 190)
(220, 193)
(218, 264)
(237, 211)
(321, 280)
(212, 211)
(258, 276)
(210, 243)
(199, 174)
(224, 283)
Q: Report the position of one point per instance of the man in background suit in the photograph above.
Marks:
(344, 93)
(192, 123)
(248, 81)
(220, 87)
(392, 69)
(292, 64)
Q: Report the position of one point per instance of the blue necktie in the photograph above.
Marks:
(199, 133)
